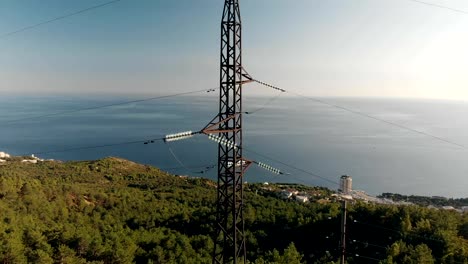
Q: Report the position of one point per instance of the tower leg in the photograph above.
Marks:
(230, 237)
(343, 232)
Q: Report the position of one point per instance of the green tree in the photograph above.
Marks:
(290, 256)
(402, 253)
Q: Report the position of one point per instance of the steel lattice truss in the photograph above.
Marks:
(227, 126)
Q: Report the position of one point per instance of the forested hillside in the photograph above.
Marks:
(117, 211)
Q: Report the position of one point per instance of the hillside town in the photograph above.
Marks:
(5, 157)
(345, 191)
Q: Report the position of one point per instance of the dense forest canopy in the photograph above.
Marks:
(116, 211)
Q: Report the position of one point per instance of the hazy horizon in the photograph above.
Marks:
(145, 95)
(362, 48)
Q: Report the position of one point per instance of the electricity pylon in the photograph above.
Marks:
(226, 128)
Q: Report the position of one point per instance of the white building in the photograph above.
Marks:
(29, 161)
(448, 207)
(4, 155)
(346, 184)
(302, 199)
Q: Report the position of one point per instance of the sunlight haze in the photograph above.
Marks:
(376, 48)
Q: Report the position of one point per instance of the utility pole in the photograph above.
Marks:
(229, 239)
(344, 203)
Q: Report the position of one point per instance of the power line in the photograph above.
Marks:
(105, 106)
(366, 257)
(220, 140)
(440, 6)
(293, 167)
(97, 146)
(154, 140)
(9, 34)
(369, 244)
(366, 115)
(398, 231)
(177, 159)
(280, 162)
(206, 167)
(268, 102)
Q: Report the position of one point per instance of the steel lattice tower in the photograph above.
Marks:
(230, 237)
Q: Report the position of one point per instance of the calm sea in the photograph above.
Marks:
(314, 137)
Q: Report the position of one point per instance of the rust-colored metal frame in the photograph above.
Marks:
(229, 238)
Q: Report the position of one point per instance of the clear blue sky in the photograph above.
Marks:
(395, 48)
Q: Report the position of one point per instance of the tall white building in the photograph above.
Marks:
(346, 184)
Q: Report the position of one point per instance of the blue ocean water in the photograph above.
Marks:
(315, 137)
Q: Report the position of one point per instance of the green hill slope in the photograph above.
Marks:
(116, 211)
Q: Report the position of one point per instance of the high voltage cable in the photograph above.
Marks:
(185, 93)
(369, 244)
(147, 141)
(292, 167)
(365, 257)
(268, 102)
(221, 140)
(367, 116)
(177, 159)
(115, 1)
(105, 106)
(207, 166)
(96, 146)
(398, 231)
(383, 120)
(354, 254)
(271, 100)
(9, 34)
(440, 6)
